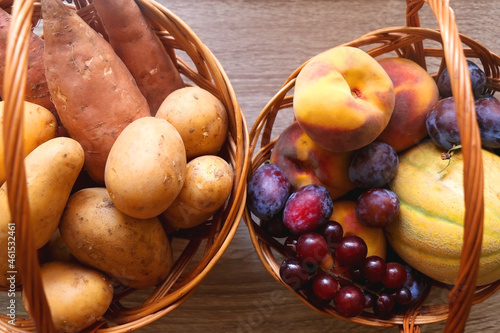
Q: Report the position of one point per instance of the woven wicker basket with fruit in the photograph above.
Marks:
(383, 187)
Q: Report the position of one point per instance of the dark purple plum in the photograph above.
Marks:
(268, 191)
(488, 120)
(441, 124)
(307, 209)
(377, 207)
(477, 77)
(373, 165)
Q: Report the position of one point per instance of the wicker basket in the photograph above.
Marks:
(444, 48)
(200, 249)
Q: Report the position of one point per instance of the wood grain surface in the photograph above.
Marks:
(259, 43)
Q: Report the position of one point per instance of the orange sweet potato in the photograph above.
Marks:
(95, 95)
(141, 50)
(36, 86)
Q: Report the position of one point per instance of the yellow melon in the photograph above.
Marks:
(429, 232)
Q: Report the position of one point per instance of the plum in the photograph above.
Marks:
(441, 124)
(268, 191)
(373, 165)
(477, 77)
(488, 120)
(307, 209)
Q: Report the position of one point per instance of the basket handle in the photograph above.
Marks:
(15, 76)
(461, 296)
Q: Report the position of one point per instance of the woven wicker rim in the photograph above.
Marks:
(409, 42)
(205, 72)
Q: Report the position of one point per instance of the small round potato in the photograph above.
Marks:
(209, 181)
(134, 252)
(200, 118)
(146, 167)
(40, 125)
(77, 296)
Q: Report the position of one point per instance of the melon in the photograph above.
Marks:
(429, 232)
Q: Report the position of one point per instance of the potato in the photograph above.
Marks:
(77, 296)
(40, 125)
(209, 181)
(146, 168)
(51, 171)
(199, 117)
(135, 252)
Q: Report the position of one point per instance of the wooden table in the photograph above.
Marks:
(259, 43)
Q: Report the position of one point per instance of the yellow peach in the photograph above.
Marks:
(304, 162)
(344, 213)
(343, 99)
(415, 92)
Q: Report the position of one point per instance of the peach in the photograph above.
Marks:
(304, 162)
(343, 99)
(344, 213)
(415, 93)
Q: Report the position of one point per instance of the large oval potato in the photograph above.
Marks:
(51, 170)
(77, 296)
(146, 167)
(135, 252)
(209, 181)
(40, 125)
(199, 117)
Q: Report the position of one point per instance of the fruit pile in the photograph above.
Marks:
(351, 193)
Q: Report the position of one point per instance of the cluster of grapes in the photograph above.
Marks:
(321, 261)
(331, 267)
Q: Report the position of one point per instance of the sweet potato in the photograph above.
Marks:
(36, 86)
(141, 50)
(95, 95)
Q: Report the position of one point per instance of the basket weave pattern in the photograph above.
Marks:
(202, 250)
(418, 44)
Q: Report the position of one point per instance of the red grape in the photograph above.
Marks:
(384, 305)
(403, 296)
(395, 275)
(369, 300)
(349, 301)
(377, 207)
(294, 273)
(311, 248)
(374, 268)
(351, 250)
(325, 286)
(333, 232)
